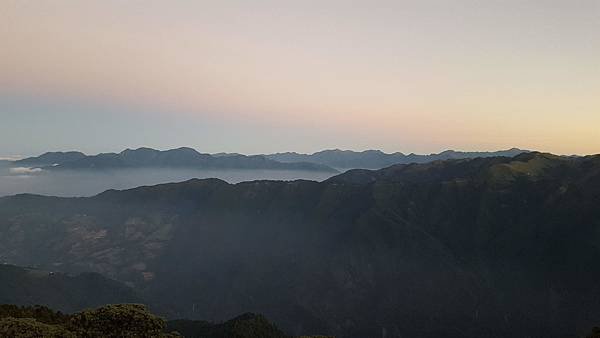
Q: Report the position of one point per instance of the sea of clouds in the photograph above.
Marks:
(17, 180)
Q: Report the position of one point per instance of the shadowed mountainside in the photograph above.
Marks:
(248, 325)
(66, 293)
(494, 247)
(29, 296)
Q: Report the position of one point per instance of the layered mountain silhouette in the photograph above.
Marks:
(485, 247)
(376, 159)
(151, 158)
(324, 160)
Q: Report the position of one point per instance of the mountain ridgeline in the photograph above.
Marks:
(485, 247)
(324, 160)
(376, 159)
(151, 158)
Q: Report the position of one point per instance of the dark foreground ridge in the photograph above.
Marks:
(486, 247)
(60, 291)
(125, 320)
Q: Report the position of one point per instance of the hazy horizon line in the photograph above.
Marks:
(15, 157)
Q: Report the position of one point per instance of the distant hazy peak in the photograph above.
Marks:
(51, 158)
(376, 159)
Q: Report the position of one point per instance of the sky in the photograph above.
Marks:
(267, 76)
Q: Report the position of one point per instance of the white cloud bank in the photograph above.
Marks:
(24, 170)
(10, 157)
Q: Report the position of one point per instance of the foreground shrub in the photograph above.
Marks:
(40, 313)
(595, 333)
(31, 328)
(118, 320)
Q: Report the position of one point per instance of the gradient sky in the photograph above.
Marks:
(265, 76)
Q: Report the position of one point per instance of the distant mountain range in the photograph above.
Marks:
(485, 247)
(376, 159)
(325, 160)
(151, 158)
(50, 159)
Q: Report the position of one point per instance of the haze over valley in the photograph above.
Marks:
(86, 183)
(73, 173)
(512, 240)
(300, 169)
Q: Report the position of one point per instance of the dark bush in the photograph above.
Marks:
(31, 328)
(118, 320)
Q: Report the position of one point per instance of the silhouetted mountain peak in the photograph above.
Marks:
(142, 150)
(185, 150)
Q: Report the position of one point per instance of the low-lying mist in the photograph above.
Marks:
(88, 183)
